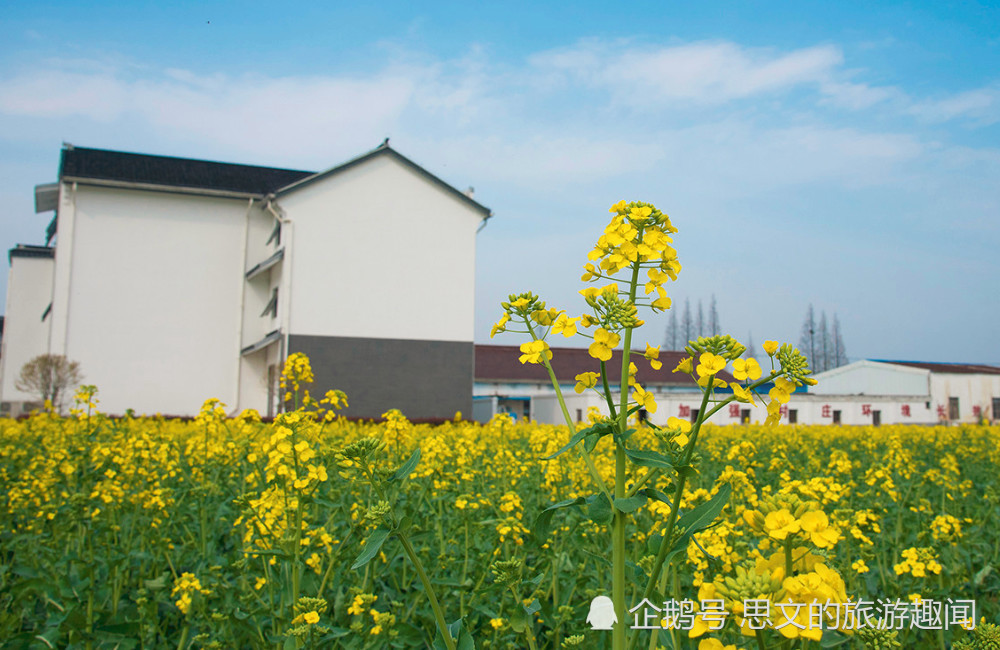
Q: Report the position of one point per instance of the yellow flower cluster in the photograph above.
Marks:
(185, 588)
(918, 562)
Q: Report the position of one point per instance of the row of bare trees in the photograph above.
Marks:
(821, 341)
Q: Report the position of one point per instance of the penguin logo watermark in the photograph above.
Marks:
(602, 613)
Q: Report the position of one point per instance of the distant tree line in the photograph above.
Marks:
(689, 326)
(822, 344)
(821, 341)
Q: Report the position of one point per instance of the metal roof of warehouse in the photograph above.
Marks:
(953, 368)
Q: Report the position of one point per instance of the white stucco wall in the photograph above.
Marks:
(808, 408)
(972, 390)
(152, 297)
(26, 335)
(872, 378)
(378, 251)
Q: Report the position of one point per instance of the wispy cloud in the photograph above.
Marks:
(704, 72)
(239, 113)
(981, 106)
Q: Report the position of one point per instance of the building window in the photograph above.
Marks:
(272, 305)
(579, 415)
(793, 416)
(694, 415)
(996, 409)
(836, 417)
(876, 418)
(745, 416)
(953, 411)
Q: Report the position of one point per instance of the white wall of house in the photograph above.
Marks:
(26, 335)
(366, 227)
(872, 378)
(974, 392)
(150, 296)
(804, 408)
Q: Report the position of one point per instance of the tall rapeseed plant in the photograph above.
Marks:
(634, 252)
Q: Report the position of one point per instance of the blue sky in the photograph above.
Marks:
(845, 155)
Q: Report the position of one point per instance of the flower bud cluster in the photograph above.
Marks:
(748, 584)
(506, 572)
(723, 345)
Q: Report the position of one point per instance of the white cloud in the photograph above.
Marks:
(981, 105)
(247, 113)
(706, 72)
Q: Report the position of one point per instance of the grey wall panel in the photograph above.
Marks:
(423, 379)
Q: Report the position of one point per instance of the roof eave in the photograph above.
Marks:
(154, 187)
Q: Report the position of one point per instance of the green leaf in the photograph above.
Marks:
(631, 504)
(981, 576)
(406, 468)
(519, 620)
(599, 509)
(372, 546)
(580, 435)
(532, 607)
(653, 493)
(698, 519)
(649, 458)
(460, 633)
(543, 522)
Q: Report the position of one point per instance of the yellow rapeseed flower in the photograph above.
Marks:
(780, 524)
(586, 380)
(710, 364)
(746, 368)
(604, 342)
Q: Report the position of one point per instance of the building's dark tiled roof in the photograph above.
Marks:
(952, 368)
(28, 250)
(499, 363)
(100, 164)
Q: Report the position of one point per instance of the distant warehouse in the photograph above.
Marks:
(173, 280)
(860, 393)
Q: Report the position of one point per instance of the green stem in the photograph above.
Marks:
(607, 391)
(661, 553)
(594, 474)
(642, 480)
(618, 640)
(428, 590)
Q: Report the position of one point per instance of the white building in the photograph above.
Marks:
(861, 393)
(906, 392)
(173, 280)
